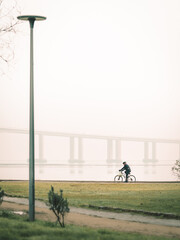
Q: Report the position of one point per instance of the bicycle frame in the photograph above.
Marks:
(121, 176)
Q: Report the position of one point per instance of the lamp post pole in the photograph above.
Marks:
(31, 20)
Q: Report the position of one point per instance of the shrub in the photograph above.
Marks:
(176, 168)
(1, 195)
(58, 205)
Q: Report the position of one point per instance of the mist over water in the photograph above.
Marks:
(60, 156)
(62, 173)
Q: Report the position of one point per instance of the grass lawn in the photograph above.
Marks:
(157, 197)
(14, 227)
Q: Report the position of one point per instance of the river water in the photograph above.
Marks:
(85, 173)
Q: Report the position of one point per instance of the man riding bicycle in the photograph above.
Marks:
(127, 170)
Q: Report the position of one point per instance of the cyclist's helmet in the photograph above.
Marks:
(124, 162)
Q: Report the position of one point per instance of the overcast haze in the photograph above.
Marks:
(101, 67)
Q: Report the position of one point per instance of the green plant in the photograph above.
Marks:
(176, 168)
(58, 205)
(1, 195)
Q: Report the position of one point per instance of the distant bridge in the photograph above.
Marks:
(113, 148)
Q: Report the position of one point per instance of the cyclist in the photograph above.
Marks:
(127, 170)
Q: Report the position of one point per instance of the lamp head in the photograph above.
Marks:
(31, 18)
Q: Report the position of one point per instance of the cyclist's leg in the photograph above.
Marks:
(127, 175)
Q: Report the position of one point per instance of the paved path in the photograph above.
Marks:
(104, 214)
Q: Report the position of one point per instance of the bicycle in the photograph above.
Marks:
(121, 177)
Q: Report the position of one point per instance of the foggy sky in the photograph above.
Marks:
(101, 67)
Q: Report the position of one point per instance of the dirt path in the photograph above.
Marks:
(99, 222)
(132, 217)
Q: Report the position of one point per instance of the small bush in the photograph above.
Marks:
(1, 195)
(176, 169)
(58, 205)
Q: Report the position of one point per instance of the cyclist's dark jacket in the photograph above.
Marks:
(126, 167)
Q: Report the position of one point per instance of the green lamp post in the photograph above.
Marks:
(31, 20)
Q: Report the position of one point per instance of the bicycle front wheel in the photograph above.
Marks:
(132, 178)
(118, 178)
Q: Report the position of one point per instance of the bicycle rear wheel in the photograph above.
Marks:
(118, 178)
(131, 178)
